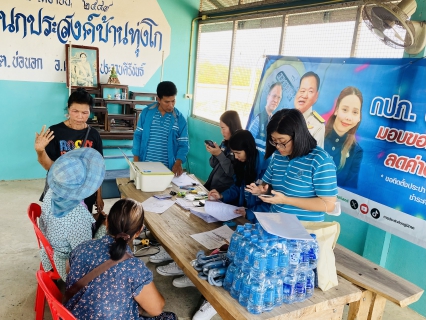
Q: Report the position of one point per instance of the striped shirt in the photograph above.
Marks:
(158, 137)
(313, 175)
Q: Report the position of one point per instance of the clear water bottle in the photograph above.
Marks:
(269, 296)
(239, 255)
(229, 277)
(294, 254)
(255, 232)
(272, 260)
(278, 290)
(259, 228)
(259, 260)
(248, 252)
(245, 290)
(255, 301)
(248, 226)
(283, 256)
(305, 247)
(310, 283)
(236, 283)
(313, 252)
(300, 287)
(289, 283)
(234, 242)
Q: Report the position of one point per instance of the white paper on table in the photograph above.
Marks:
(156, 206)
(283, 225)
(215, 238)
(221, 211)
(185, 204)
(201, 213)
(184, 180)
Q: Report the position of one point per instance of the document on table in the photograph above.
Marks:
(283, 225)
(156, 206)
(221, 211)
(184, 180)
(215, 238)
(185, 204)
(201, 213)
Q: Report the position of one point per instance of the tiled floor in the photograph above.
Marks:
(19, 262)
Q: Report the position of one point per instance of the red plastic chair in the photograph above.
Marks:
(34, 212)
(53, 296)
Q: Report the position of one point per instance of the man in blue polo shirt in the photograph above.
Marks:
(162, 131)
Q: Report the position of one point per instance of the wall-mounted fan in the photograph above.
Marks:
(391, 24)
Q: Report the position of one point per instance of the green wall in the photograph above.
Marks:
(26, 106)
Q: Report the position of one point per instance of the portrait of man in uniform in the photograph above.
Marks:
(305, 98)
(258, 126)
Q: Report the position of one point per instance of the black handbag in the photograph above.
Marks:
(46, 186)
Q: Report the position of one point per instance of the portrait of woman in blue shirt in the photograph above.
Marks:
(340, 140)
(302, 174)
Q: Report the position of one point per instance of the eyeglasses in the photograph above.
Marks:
(280, 145)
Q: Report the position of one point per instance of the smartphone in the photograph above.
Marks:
(266, 195)
(209, 143)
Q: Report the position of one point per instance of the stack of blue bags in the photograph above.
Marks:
(267, 270)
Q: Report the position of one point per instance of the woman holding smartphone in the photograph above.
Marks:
(302, 174)
(221, 177)
(249, 167)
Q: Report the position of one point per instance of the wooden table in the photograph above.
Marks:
(173, 229)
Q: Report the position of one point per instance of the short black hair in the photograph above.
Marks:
(81, 96)
(166, 89)
(311, 74)
(242, 140)
(292, 123)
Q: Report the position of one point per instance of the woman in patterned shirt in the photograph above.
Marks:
(65, 220)
(118, 292)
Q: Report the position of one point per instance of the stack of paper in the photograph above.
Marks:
(184, 180)
(215, 238)
(283, 225)
(156, 206)
(185, 204)
(201, 213)
(221, 211)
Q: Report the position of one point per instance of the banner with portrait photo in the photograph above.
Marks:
(369, 115)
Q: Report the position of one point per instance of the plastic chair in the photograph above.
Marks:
(34, 212)
(53, 296)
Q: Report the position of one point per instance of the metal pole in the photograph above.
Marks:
(162, 65)
(69, 68)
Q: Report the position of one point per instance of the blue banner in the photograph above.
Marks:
(370, 115)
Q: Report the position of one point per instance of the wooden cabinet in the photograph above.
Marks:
(117, 110)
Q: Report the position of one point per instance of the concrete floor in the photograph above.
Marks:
(20, 260)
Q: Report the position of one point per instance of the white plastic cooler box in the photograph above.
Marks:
(151, 176)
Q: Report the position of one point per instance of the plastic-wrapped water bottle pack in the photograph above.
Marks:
(266, 270)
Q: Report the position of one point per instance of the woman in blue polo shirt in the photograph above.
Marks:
(302, 174)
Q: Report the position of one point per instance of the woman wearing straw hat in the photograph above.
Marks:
(65, 220)
(105, 280)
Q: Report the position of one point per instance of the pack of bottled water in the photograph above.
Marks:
(266, 270)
